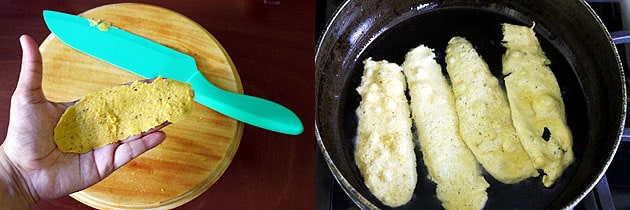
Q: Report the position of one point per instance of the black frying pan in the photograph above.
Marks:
(584, 60)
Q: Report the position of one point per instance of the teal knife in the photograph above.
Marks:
(129, 51)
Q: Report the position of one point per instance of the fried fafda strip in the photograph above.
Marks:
(484, 115)
(451, 165)
(384, 150)
(536, 103)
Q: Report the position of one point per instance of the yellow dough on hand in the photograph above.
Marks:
(114, 114)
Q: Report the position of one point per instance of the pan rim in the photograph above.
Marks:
(363, 202)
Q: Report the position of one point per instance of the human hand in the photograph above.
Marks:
(35, 169)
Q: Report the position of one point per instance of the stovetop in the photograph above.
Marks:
(613, 190)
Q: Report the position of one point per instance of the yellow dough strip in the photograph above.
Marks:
(113, 114)
(484, 115)
(536, 103)
(451, 165)
(384, 150)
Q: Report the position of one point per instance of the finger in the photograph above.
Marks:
(69, 104)
(126, 151)
(157, 128)
(30, 80)
(31, 72)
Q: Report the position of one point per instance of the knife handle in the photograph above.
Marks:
(252, 110)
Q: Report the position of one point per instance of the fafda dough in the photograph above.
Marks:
(485, 120)
(114, 114)
(536, 103)
(384, 150)
(451, 165)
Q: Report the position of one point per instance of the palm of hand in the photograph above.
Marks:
(30, 148)
(51, 172)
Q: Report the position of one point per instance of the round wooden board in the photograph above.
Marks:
(196, 151)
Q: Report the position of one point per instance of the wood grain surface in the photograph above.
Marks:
(197, 150)
(271, 44)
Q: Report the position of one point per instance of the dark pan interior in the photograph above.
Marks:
(583, 61)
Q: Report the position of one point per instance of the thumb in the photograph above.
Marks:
(30, 81)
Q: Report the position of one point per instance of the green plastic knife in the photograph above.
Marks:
(130, 52)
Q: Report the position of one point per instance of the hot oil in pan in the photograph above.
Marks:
(483, 30)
